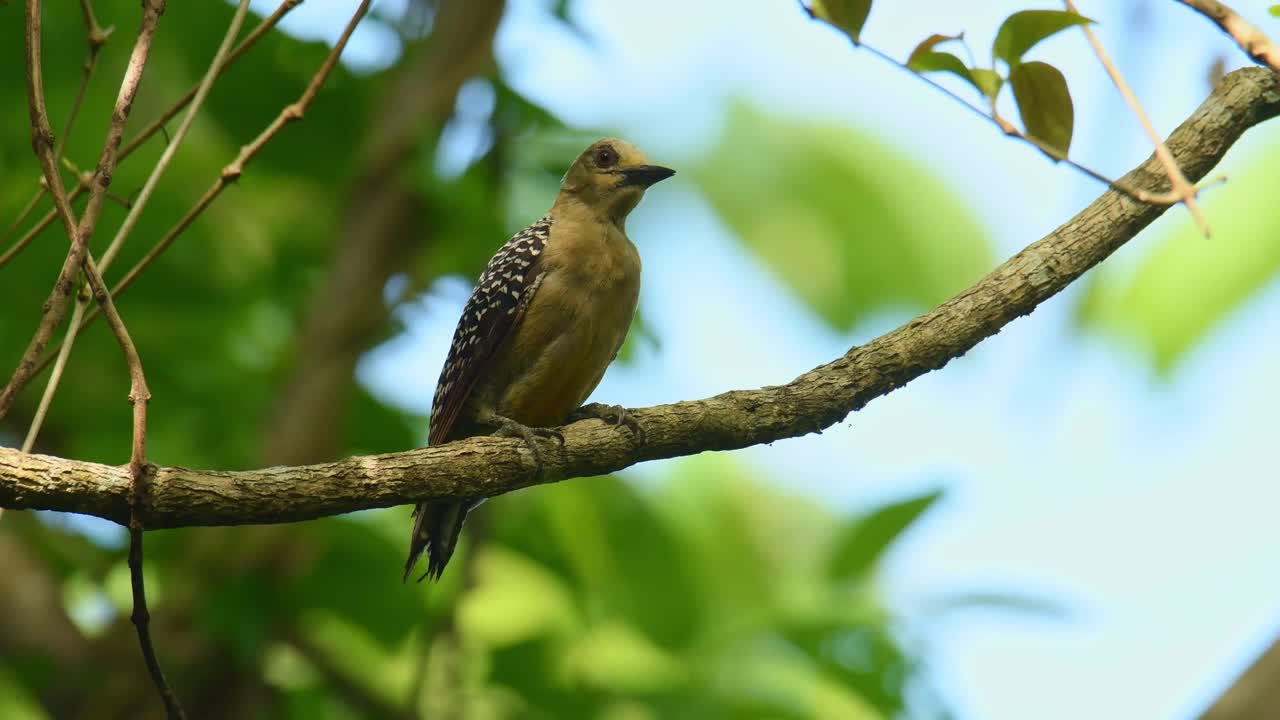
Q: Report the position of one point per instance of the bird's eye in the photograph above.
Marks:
(606, 157)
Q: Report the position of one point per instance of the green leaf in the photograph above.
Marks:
(928, 44)
(1186, 286)
(616, 657)
(814, 204)
(925, 59)
(988, 81)
(514, 600)
(1274, 10)
(1044, 102)
(864, 541)
(847, 15)
(939, 62)
(1021, 31)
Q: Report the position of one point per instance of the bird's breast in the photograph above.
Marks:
(571, 331)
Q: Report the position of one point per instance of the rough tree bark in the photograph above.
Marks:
(811, 402)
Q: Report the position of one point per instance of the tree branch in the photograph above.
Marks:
(1250, 39)
(489, 466)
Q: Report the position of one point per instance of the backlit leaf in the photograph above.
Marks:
(1044, 102)
(847, 15)
(1023, 30)
(864, 541)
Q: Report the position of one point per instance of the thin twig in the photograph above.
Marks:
(235, 168)
(1012, 131)
(84, 181)
(250, 40)
(96, 37)
(55, 377)
(22, 217)
(290, 113)
(202, 91)
(139, 396)
(267, 24)
(82, 302)
(1179, 186)
(54, 309)
(1250, 39)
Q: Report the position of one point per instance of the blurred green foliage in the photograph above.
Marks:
(1186, 285)
(814, 203)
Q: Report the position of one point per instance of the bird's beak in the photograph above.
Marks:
(646, 175)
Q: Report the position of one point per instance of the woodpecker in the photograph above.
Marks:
(546, 318)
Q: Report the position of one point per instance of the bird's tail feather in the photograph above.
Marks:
(436, 528)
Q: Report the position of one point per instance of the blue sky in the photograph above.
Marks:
(1142, 504)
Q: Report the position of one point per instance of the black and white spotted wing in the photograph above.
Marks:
(501, 295)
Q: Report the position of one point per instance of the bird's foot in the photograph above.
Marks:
(506, 427)
(612, 414)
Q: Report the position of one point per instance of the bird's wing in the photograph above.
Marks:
(493, 311)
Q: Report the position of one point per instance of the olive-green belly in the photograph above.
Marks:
(565, 341)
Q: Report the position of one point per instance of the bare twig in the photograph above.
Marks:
(267, 24)
(138, 204)
(17, 223)
(55, 307)
(202, 91)
(139, 396)
(55, 377)
(232, 171)
(96, 37)
(1179, 186)
(1250, 39)
(82, 302)
(235, 168)
(84, 181)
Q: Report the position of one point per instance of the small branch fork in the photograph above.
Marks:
(1250, 39)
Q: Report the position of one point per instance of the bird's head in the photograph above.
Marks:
(611, 177)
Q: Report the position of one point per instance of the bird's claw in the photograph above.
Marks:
(506, 427)
(612, 414)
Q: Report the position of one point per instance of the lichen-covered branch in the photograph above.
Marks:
(814, 401)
